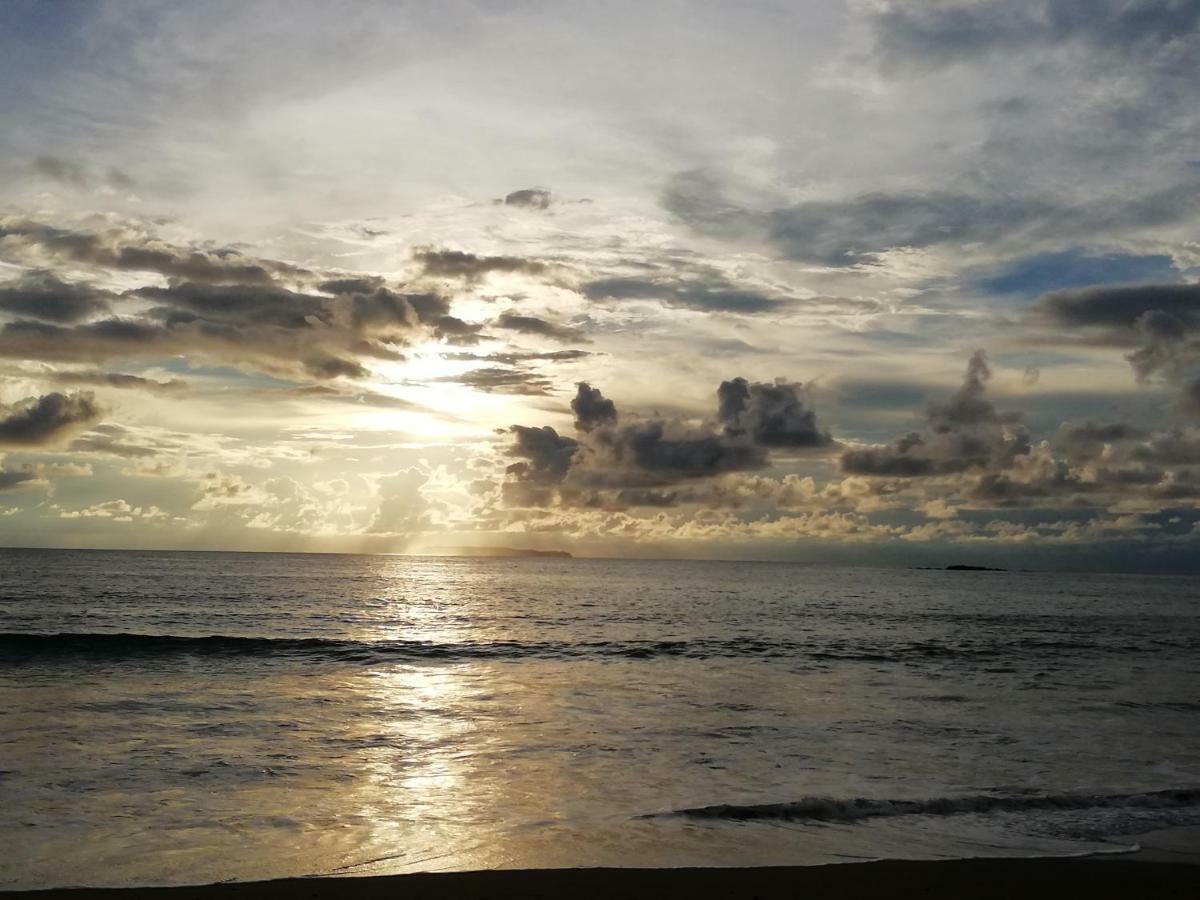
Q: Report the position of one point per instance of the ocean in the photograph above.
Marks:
(197, 717)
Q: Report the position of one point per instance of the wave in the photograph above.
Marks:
(124, 644)
(826, 809)
(23, 645)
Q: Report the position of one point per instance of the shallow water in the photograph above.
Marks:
(216, 716)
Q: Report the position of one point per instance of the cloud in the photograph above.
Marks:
(402, 508)
(75, 174)
(509, 359)
(857, 230)
(1162, 320)
(325, 392)
(927, 35)
(773, 415)
(591, 408)
(877, 395)
(250, 304)
(968, 407)
(454, 330)
(273, 329)
(113, 440)
(547, 453)
(705, 294)
(63, 170)
(1190, 400)
(544, 458)
(966, 433)
(523, 324)
(469, 266)
(273, 349)
(529, 198)
(614, 464)
(648, 447)
(501, 380)
(41, 295)
(119, 380)
(10, 480)
(45, 420)
(1089, 435)
(120, 251)
(1120, 308)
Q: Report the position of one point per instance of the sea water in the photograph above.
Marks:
(195, 717)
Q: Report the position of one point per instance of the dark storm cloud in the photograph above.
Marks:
(650, 450)
(118, 251)
(41, 295)
(1162, 321)
(469, 266)
(966, 433)
(591, 408)
(930, 34)
(712, 294)
(523, 324)
(530, 198)
(119, 380)
(773, 415)
(1120, 308)
(547, 454)
(46, 419)
(501, 380)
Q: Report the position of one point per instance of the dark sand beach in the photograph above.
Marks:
(978, 878)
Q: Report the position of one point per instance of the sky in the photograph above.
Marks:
(903, 283)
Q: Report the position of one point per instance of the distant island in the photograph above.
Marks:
(496, 551)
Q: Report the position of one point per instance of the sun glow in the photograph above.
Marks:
(441, 408)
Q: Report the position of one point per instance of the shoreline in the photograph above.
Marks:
(979, 879)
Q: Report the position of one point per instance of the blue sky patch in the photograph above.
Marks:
(1033, 275)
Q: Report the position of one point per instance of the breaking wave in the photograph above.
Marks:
(826, 809)
(20, 645)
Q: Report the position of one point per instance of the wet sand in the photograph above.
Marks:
(977, 879)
